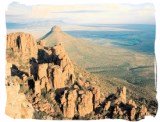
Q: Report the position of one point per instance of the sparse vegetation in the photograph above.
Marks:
(59, 89)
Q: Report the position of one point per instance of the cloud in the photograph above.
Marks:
(80, 11)
(82, 14)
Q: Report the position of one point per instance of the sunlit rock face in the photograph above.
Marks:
(23, 43)
(17, 105)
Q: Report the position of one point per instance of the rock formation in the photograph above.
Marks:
(23, 43)
(57, 78)
(51, 89)
(121, 92)
(17, 105)
(85, 105)
(107, 105)
(58, 68)
(96, 95)
(69, 104)
(79, 100)
(143, 111)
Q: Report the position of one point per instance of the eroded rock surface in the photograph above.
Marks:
(23, 43)
(47, 86)
(17, 105)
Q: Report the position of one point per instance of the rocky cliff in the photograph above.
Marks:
(22, 43)
(49, 88)
(17, 105)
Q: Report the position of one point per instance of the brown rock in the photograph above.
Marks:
(76, 87)
(33, 68)
(17, 105)
(107, 105)
(143, 111)
(69, 104)
(117, 111)
(42, 43)
(48, 86)
(122, 94)
(132, 103)
(24, 77)
(63, 99)
(86, 105)
(96, 93)
(43, 82)
(8, 69)
(42, 70)
(132, 114)
(65, 64)
(81, 92)
(80, 82)
(47, 108)
(37, 88)
(86, 84)
(57, 78)
(23, 43)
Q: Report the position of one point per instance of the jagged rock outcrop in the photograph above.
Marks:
(143, 111)
(121, 92)
(42, 70)
(69, 103)
(85, 105)
(57, 78)
(132, 114)
(56, 67)
(17, 105)
(119, 107)
(22, 43)
(96, 96)
(33, 68)
(53, 89)
(65, 63)
(79, 100)
(132, 103)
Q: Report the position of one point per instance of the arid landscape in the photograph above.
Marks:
(48, 85)
(88, 72)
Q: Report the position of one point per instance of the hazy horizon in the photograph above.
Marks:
(79, 17)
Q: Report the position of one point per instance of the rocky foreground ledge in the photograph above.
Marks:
(41, 83)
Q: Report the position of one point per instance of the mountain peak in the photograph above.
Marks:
(56, 28)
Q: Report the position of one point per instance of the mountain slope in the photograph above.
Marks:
(107, 60)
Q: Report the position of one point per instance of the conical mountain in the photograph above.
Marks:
(56, 35)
